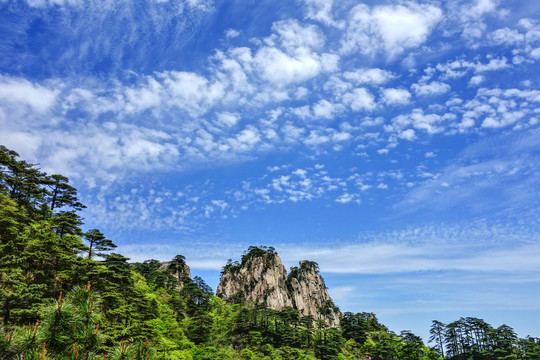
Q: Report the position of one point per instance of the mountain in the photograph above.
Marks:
(261, 278)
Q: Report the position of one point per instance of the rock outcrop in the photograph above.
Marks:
(177, 271)
(261, 278)
(309, 293)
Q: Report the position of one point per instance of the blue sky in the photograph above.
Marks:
(396, 143)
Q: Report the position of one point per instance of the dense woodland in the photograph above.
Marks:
(65, 294)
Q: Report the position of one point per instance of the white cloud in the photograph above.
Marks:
(341, 136)
(108, 152)
(459, 68)
(373, 258)
(469, 18)
(302, 112)
(494, 64)
(201, 114)
(294, 36)
(282, 69)
(227, 119)
(396, 96)
(320, 10)
(482, 7)
(231, 33)
(535, 53)
(203, 5)
(503, 120)
(359, 99)
(191, 92)
(289, 55)
(476, 80)
(431, 123)
(496, 108)
(433, 88)
(506, 36)
(389, 28)
(44, 3)
(23, 92)
(316, 138)
(345, 198)
(408, 134)
(300, 172)
(143, 97)
(27, 144)
(337, 86)
(246, 139)
(324, 109)
(373, 76)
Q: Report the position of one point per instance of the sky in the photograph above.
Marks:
(396, 143)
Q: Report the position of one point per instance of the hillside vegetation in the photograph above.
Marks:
(65, 294)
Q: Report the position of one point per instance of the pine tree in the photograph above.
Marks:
(98, 242)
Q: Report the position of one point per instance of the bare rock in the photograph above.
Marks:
(310, 295)
(177, 270)
(261, 278)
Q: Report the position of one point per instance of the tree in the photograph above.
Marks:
(20, 179)
(437, 336)
(529, 348)
(59, 193)
(357, 326)
(98, 242)
(71, 324)
(385, 345)
(412, 347)
(504, 339)
(13, 221)
(67, 222)
(35, 263)
(452, 339)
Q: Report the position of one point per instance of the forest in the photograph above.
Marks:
(65, 294)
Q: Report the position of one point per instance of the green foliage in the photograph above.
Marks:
(266, 253)
(97, 242)
(231, 267)
(257, 251)
(472, 338)
(68, 325)
(328, 308)
(359, 326)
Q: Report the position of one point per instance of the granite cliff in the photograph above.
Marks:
(261, 278)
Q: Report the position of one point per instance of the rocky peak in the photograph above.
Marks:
(309, 293)
(177, 270)
(260, 277)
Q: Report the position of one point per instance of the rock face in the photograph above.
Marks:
(177, 272)
(309, 293)
(262, 278)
